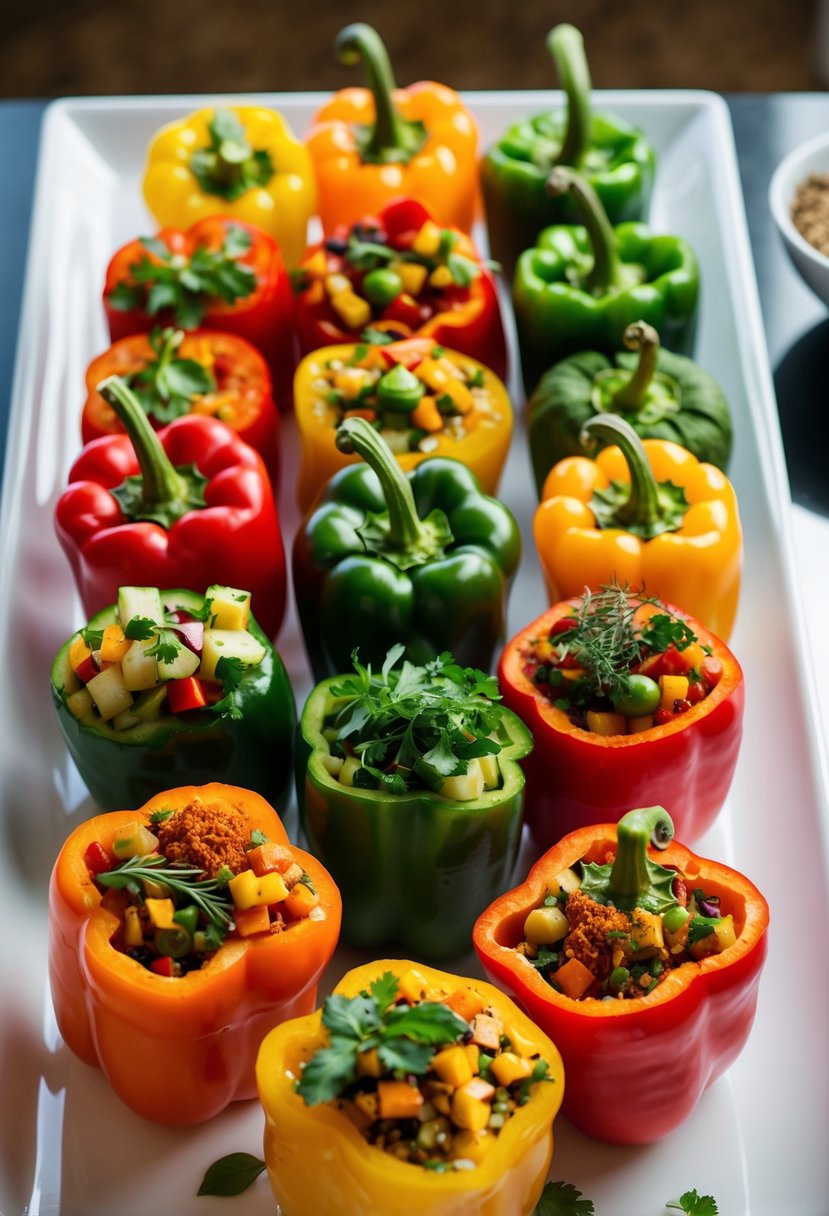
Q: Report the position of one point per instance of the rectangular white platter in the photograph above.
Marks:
(757, 1141)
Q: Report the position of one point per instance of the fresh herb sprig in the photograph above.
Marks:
(167, 385)
(403, 1035)
(414, 726)
(186, 285)
(210, 895)
(563, 1199)
(695, 1205)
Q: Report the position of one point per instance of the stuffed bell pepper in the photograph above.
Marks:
(423, 558)
(400, 275)
(240, 162)
(643, 967)
(661, 395)
(173, 374)
(650, 515)
(371, 146)
(217, 274)
(423, 399)
(179, 935)
(582, 286)
(468, 1128)
(190, 505)
(411, 792)
(171, 686)
(630, 701)
(616, 158)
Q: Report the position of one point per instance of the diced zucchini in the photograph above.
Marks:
(133, 840)
(80, 702)
(183, 665)
(108, 692)
(140, 601)
(228, 644)
(229, 607)
(467, 787)
(125, 719)
(491, 770)
(149, 704)
(140, 669)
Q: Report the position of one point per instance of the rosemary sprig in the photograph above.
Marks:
(210, 895)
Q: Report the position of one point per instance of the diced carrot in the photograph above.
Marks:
(251, 920)
(114, 644)
(398, 1100)
(269, 857)
(487, 1031)
(573, 979)
(466, 1002)
(78, 653)
(300, 900)
(426, 416)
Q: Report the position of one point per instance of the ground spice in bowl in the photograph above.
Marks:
(810, 211)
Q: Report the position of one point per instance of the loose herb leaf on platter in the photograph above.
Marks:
(231, 1175)
(562, 1199)
(695, 1205)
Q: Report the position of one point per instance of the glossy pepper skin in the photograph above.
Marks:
(576, 777)
(195, 508)
(696, 563)
(662, 396)
(416, 868)
(262, 316)
(177, 1050)
(370, 146)
(127, 767)
(468, 319)
(617, 159)
(360, 1179)
(230, 148)
(483, 450)
(242, 398)
(661, 1051)
(433, 572)
(581, 287)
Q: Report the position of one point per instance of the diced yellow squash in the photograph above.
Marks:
(427, 241)
(723, 936)
(108, 692)
(229, 607)
(336, 284)
(469, 1111)
(521, 1045)
(565, 882)
(467, 787)
(133, 931)
(79, 652)
(249, 890)
(155, 889)
(544, 926)
(411, 274)
(229, 643)
(606, 723)
(348, 769)
(509, 1067)
(491, 770)
(459, 395)
(140, 670)
(79, 703)
(672, 688)
(466, 1002)
(160, 912)
(453, 1066)
(413, 987)
(133, 840)
(114, 644)
(435, 373)
(353, 310)
(646, 929)
(441, 277)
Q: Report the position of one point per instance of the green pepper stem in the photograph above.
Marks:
(605, 269)
(642, 507)
(630, 875)
(406, 530)
(361, 43)
(643, 338)
(566, 46)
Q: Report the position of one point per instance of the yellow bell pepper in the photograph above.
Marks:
(318, 1160)
(474, 410)
(590, 530)
(239, 161)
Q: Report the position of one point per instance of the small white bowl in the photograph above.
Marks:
(811, 157)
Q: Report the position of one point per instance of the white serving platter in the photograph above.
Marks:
(757, 1140)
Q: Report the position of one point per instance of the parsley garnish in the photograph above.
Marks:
(160, 815)
(229, 672)
(695, 1205)
(92, 637)
(166, 386)
(257, 837)
(562, 1199)
(404, 1036)
(700, 927)
(415, 726)
(166, 645)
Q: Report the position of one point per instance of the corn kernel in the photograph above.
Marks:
(509, 1067)
(453, 1066)
(412, 275)
(441, 277)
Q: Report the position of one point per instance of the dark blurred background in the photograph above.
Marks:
(71, 47)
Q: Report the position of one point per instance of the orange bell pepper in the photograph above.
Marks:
(177, 1050)
(370, 146)
(675, 534)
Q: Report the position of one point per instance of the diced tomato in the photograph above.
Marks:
(97, 859)
(673, 663)
(563, 625)
(87, 670)
(712, 671)
(163, 965)
(404, 309)
(662, 716)
(696, 692)
(185, 694)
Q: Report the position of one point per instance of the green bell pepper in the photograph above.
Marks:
(616, 158)
(423, 558)
(248, 743)
(581, 287)
(662, 395)
(415, 867)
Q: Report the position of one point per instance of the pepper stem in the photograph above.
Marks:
(161, 492)
(632, 876)
(392, 139)
(405, 529)
(605, 269)
(642, 507)
(643, 338)
(566, 46)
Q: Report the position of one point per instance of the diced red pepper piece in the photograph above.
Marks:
(163, 965)
(185, 694)
(563, 625)
(404, 309)
(97, 859)
(712, 671)
(87, 670)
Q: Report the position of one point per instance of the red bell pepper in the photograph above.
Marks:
(220, 274)
(187, 506)
(636, 1067)
(231, 383)
(450, 299)
(576, 777)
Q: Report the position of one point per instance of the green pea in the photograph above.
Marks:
(619, 976)
(641, 697)
(399, 390)
(382, 287)
(674, 918)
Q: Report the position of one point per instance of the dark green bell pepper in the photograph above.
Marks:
(581, 287)
(125, 768)
(662, 396)
(423, 558)
(617, 159)
(415, 868)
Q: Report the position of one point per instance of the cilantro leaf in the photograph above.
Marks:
(229, 672)
(405, 1055)
(428, 1022)
(92, 637)
(700, 927)
(257, 837)
(562, 1199)
(140, 628)
(384, 990)
(695, 1205)
(353, 1017)
(231, 1175)
(329, 1071)
(166, 646)
(663, 631)
(160, 815)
